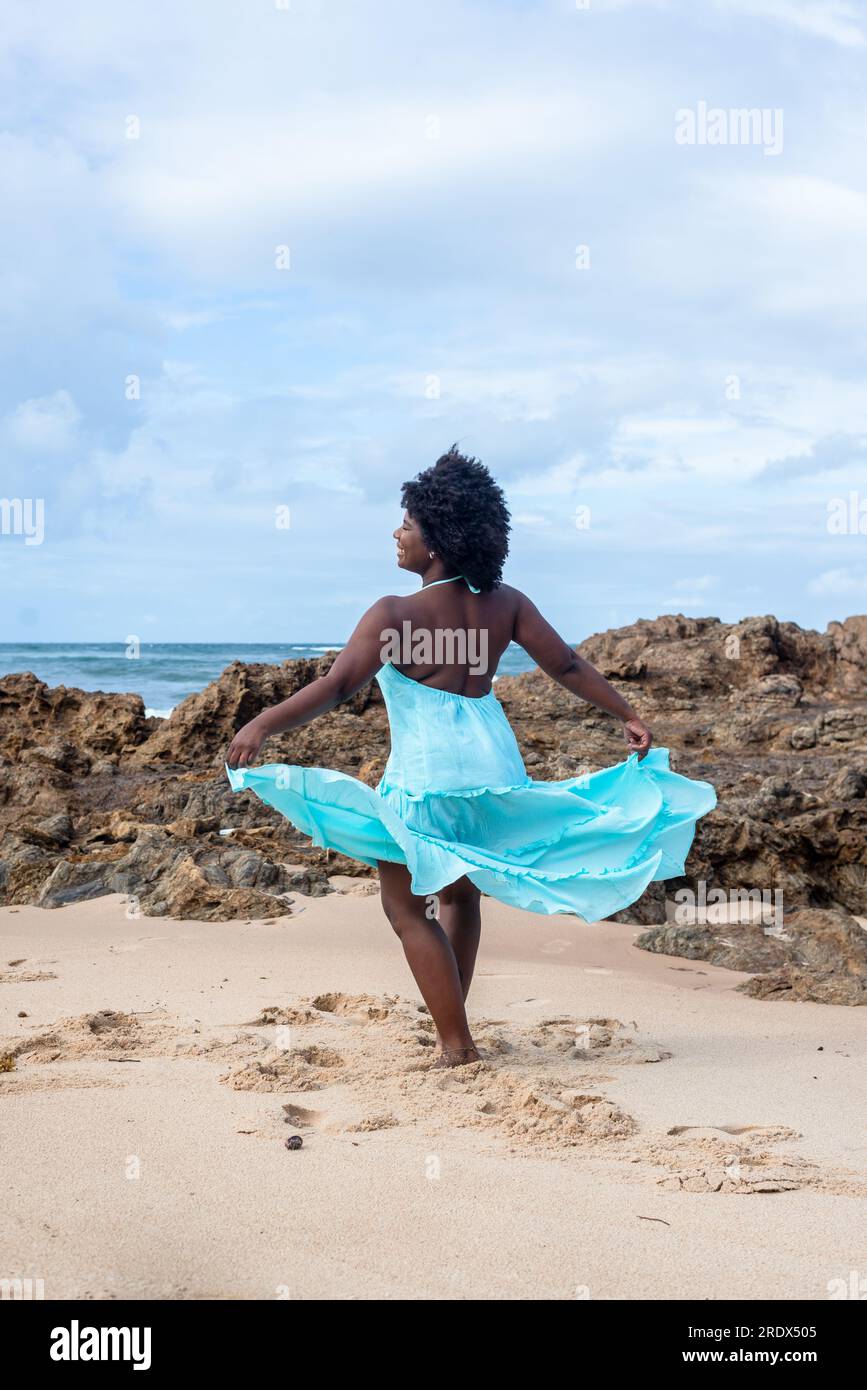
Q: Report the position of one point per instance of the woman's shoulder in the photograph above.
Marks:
(510, 595)
(403, 603)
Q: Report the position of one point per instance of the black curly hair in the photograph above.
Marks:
(462, 515)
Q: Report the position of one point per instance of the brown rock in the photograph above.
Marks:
(819, 954)
(200, 728)
(53, 833)
(90, 722)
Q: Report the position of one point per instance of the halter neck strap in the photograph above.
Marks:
(470, 586)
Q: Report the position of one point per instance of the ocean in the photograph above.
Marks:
(164, 673)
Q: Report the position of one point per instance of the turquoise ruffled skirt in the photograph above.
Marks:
(587, 845)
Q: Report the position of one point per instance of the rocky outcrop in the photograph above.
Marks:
(200, 728)
(815, 954)
(761, 657)
(51, 724)
(96, 798)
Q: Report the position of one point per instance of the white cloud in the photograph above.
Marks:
(835, 20)
(717, 447)
(840, 584)
(558, 480)
(44, 425)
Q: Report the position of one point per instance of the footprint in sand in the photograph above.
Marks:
(12, 976)
(297, 1117)
(551, 1112)
(366, 1007)
(110, 1034)
(105, 1031)
(699, 1159)
(284, 1014)
(25, 977)
(302, 1118)
(593, 1038)
(301, 1069)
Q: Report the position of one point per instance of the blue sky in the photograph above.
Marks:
(699, 386)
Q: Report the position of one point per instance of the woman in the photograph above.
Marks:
(455, 812)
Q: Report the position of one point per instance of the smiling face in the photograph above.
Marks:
(413, 552)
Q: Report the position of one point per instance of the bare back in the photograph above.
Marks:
(455, 638)
(448, 637)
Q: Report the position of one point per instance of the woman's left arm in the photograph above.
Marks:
(564, 665)
(357, 664)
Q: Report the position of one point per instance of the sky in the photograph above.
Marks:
(262, 262)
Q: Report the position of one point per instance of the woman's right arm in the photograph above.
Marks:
(357, 664)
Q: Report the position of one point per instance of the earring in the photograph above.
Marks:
(431, 554)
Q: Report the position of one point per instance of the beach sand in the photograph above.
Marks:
(638, 1130)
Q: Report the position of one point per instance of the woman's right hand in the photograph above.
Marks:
(246, 744)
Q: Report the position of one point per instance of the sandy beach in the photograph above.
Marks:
(637, 1130)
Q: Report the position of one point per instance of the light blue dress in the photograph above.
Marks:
(455, 799)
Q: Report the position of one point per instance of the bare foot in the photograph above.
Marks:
(455, 1057)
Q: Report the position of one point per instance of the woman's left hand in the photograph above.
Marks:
(638, 736)
(246, 744)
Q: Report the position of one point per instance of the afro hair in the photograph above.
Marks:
(462, 515)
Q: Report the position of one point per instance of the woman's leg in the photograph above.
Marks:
(461, 919)
(430, 957)
(460, 916)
